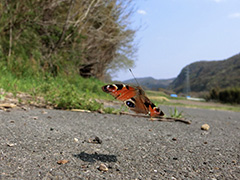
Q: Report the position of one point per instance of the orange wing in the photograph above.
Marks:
(121, 92)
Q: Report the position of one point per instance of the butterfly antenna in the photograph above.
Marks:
(134, 77)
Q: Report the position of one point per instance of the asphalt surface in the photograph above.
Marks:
(33, 141)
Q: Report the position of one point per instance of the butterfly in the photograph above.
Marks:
(134, 98)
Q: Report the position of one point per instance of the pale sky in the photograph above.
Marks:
(176, 33)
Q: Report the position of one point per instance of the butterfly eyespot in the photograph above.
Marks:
(111, 87)
(130, 104)
(157, 110)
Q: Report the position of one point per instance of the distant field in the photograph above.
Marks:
(164, 99)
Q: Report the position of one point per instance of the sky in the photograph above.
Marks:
(175, 33)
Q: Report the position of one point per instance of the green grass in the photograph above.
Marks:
(175, 113)
(156, 93)
(64, 92)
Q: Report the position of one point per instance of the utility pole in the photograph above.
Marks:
(187, 86)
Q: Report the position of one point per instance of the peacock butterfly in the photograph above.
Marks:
(134, 98)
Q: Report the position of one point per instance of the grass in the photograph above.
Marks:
(161, 94)
(175, 113)
(63, 92)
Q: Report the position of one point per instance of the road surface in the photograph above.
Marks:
(34, 141)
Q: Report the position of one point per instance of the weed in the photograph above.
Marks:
(175, 113)
(2, 97)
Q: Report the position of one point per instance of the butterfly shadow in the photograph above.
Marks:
(96, 157)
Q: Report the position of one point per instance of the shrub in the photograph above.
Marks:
(228, 95)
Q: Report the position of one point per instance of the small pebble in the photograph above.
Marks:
(44, 112)
(11, 144)
(103, 167)
(96, 140)
(205, 127)
(64, 161)
(75, 139)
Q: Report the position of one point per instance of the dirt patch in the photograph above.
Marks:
(21, 100)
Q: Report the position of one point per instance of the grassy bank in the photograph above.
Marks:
(65, 92)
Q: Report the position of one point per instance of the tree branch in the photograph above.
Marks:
(65, 25)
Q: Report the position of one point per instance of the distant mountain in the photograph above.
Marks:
(205, 75)
(150, 83)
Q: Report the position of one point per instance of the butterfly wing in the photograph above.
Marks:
(152, 109)
(137, 105)
(130, 95)
(121, 92)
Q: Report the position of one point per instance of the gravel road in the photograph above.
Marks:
(34, 141)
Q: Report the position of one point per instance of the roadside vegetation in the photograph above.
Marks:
(92, 38)
(227, 95)
(64, 92)
(60, 50)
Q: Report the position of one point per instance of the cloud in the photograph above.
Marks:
(234, 15)
(142, 12)
(217, 1)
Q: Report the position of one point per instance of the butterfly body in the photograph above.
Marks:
(134, 98)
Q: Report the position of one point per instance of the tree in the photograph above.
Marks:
(66, 35)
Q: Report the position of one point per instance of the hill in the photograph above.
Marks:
(151, 83)
(205, 75)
